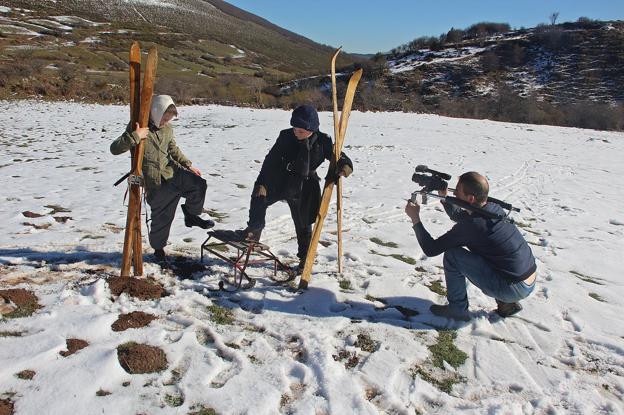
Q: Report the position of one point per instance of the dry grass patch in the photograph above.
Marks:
(18, 302)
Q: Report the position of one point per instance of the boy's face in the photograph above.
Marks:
(301, 133)
(167, 116)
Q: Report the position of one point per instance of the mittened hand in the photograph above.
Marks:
(259, 191)
(345, 171)
(344, 166)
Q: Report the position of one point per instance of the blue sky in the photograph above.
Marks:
(373, 26)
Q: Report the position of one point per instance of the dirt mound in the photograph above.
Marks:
(25, 303)
(73, 346)
(30, 214)
(26, 374)
(134, 320)
(6, 407)
(140, 358)
(143, 288)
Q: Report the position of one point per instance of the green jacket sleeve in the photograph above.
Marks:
(176, 154)
(124, 143)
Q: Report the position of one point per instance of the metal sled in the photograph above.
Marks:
(248, 252)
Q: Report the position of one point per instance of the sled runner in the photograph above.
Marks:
(248, 252)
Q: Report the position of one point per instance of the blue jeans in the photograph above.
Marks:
(460, 263)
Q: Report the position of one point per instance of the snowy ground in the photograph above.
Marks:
(346, 345)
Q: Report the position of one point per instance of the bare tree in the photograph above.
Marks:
(553, 18)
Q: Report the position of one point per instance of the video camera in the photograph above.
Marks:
(435, 181)
(432, 180)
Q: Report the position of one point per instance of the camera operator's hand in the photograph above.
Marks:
(412, 209)
(443, 193)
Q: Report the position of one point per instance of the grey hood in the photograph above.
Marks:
(160, 103)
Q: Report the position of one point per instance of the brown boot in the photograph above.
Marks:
(507, 309)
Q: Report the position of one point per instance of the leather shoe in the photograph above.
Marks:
(194, 220)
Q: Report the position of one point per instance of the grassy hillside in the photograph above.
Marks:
(209, 51)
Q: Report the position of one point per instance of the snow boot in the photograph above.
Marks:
(507, 309)
(194, 220)
(447, 312)
(239, 235)
(159, 255)
(248, 234)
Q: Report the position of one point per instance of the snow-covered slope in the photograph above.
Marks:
(570, 62)
(347, 345)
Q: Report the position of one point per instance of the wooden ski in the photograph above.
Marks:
(140, 107)
(135, 105)
(336, 158)
(329, 184)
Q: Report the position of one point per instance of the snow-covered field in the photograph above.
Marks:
(349, 344)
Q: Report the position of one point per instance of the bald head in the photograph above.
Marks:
(476, 185)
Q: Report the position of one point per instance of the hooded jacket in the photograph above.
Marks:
(162, 156)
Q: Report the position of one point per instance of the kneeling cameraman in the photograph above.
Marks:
(498, 259)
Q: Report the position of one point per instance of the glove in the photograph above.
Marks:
(344, 168)
(259, 191)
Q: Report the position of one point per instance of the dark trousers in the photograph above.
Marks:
(257, 215)
(163, 203)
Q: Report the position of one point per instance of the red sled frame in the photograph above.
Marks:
(248, 252)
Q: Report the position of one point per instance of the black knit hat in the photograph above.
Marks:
(306, 117)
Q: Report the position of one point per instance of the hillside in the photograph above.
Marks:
(560, 64)
(570, 74)
(208, 50)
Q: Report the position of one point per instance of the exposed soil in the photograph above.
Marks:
(26, 374)
(140, 358)
(73, 346)
(6, 407)
(30, 214)
(134, 320)
(143, 289)
(62, 219)
(57, 209)
(24, 300)
(350, 360)
(34, 225)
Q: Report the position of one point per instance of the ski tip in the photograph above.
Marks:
(335, 55)
(153, 53)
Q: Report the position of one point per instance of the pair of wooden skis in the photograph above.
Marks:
(140, 104)
(340, 129)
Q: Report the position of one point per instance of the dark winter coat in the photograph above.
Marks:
(497, 241)
(283, 172)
